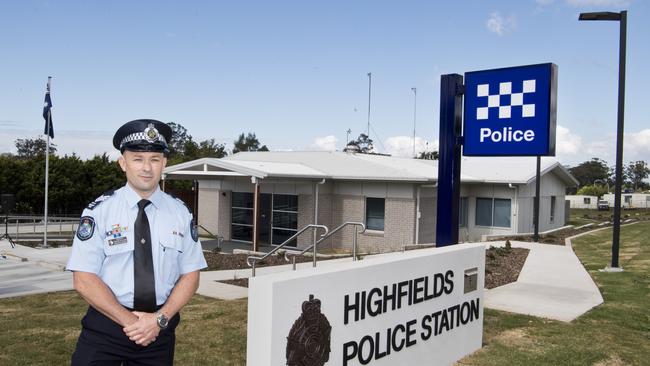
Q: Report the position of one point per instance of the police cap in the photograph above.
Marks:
(143, 135)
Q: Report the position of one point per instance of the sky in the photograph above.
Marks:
(295, 72)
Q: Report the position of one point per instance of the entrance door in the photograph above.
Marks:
(266, 218)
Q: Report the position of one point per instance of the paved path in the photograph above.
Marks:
(28, 271)
(27, 278)
(552, 284)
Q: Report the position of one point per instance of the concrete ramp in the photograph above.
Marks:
(552, 284)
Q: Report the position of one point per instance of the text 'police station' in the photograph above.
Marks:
(395, 296)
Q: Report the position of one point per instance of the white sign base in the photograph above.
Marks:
(414, 308)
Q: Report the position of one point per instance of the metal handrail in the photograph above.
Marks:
(219, 238)
(327, 236)
(15, 222)
(257, 259)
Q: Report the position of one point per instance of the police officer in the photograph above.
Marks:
(135, 258)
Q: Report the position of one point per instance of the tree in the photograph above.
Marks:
(180, 139)
(33, 148)
(248, 142)
(589, 171)
(364, 143)
(636, 172)
(212, 149)
(428, 155)
(592, 190)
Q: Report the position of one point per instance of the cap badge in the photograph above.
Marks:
(151, 133)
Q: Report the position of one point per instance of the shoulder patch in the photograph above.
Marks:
(100, 199)
(194, 230)
(86, 228)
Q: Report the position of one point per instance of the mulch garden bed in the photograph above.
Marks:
(220, 261)
(502, 265)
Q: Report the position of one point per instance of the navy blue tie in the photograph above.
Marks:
(144, 294)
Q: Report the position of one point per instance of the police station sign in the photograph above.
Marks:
(510, 111)
(414, 308)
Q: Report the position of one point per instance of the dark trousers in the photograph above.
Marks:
(103, 342)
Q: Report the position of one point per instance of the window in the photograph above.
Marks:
(501, 212)
(242, 216)
(552, 208)
(462, 212)
(628, 199)
(285, 218)
(375, 213)
(587, 201)
(283, 223)
(493, 212)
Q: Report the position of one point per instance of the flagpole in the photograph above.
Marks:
(47, 162)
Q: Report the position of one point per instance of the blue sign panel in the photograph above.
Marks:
(510, 111)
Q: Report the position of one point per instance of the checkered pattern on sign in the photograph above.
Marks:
(505, 110)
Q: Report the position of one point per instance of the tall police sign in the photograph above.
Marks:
(510, 111)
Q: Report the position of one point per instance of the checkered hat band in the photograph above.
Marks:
(140, 136)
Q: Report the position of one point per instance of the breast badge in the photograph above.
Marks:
(115, 236)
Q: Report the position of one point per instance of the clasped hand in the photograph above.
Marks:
(144, 330)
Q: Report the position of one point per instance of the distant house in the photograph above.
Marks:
(582, 201)
(630, 200)
(394, 197)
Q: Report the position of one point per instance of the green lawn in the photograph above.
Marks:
(615, 333)
(581, 216)
(42, 329)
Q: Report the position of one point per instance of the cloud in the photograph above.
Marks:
(573, 148)
(636, 145)
(325, 143)
(597, 3)
(567, 143)
(403, 145)
(497, 24)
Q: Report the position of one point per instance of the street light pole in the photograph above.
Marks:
(622, 19)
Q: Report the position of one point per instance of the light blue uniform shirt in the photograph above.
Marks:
(107, 251)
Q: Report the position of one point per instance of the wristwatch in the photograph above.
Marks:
(162, 320)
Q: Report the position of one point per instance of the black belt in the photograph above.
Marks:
(158, 307)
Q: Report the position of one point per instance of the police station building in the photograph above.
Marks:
(394, 197)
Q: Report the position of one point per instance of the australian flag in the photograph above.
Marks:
(47, 111)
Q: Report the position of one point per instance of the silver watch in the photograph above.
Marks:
(162, 320)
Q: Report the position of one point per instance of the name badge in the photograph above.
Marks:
(117, 241)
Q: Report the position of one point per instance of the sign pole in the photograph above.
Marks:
(619, 140)
(451, 109)
(536, 204)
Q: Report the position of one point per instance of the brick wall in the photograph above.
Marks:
(306, 217)
(399, 224)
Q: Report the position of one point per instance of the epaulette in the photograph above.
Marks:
(100, 199)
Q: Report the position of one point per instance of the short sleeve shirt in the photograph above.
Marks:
(104, 242)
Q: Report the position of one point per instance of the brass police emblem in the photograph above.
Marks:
(308, 343)
(151, 133)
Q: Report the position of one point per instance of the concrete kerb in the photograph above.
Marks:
(567, 241)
